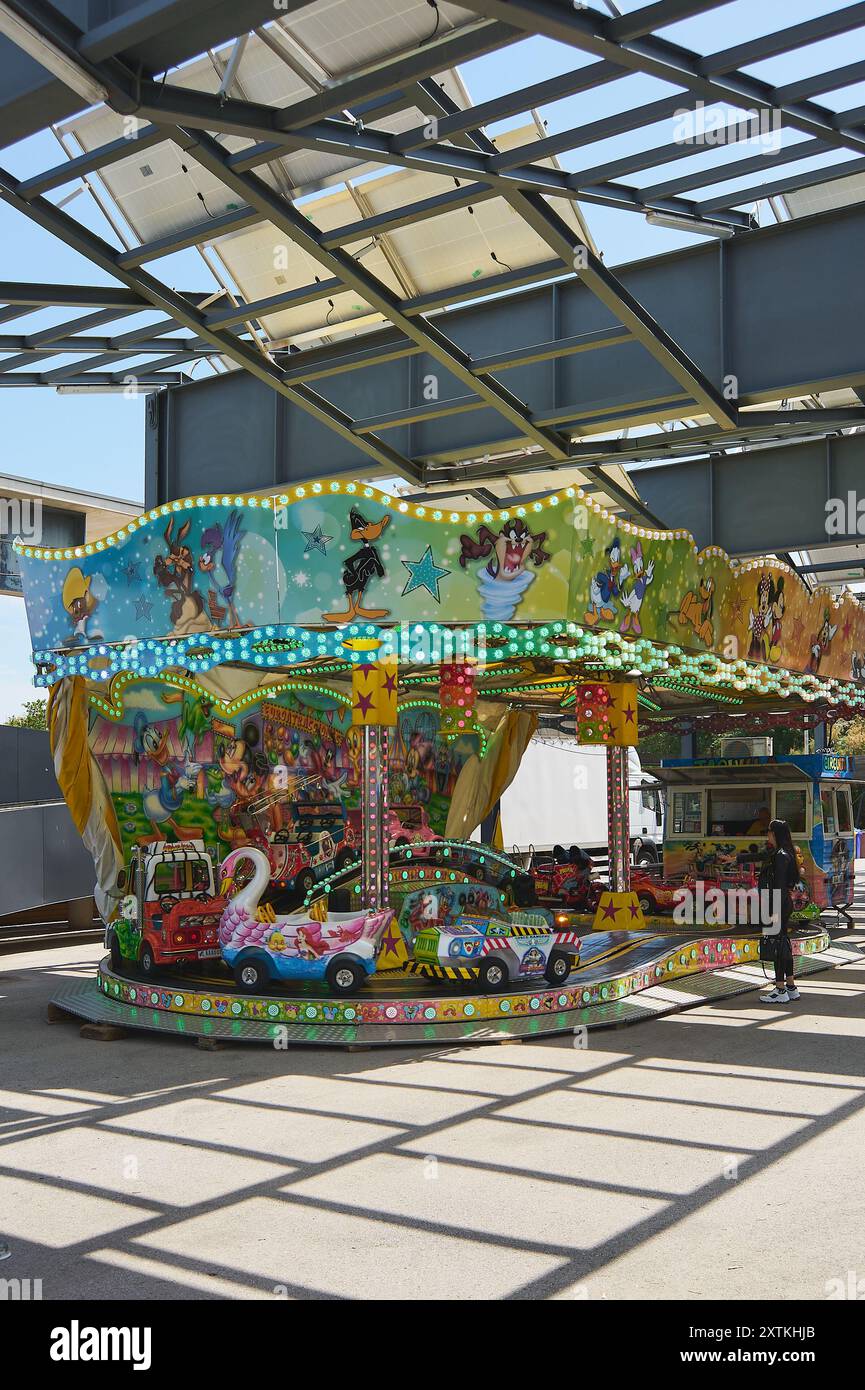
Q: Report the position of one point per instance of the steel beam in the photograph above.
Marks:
(739, 168)
(765, 501)
(598, 278)
(94, 379)
(426, 335)
(201, 111)
(786, 184)
(714, 78)
(812, 342)
(509, 104)
(54, 220)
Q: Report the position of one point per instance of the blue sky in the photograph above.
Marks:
(96, 442)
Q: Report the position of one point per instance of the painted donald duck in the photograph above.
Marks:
(605, 586)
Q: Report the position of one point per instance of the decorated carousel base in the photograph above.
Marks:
(622, 977)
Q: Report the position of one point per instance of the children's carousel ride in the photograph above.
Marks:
(280, 721)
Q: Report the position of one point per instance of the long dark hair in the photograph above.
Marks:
(783, 839)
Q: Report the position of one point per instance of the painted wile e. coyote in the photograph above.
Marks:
(218, 560)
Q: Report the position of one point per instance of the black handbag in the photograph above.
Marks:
(770, 947)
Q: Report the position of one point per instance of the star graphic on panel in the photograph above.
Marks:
(390, 684)
(364, 703)
(143, 607)
(389, 942)
(845, 631)
(132, 572)
(609, 912)
(424, 574)
(315, 540)
(736, 609)
(634, 909)
(798, 629)
(629, 713)
(588, 546)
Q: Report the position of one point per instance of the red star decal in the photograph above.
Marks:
(609, 913)
(364, 703)
(390, 684)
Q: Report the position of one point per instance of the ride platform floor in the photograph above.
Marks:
(622, 977)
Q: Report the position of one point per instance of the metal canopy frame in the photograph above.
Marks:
(339, 118)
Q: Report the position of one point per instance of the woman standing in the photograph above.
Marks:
(778, 877)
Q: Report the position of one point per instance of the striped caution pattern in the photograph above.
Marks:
(441, 972)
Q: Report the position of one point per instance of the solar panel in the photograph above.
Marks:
(453, 248)
(822, 197)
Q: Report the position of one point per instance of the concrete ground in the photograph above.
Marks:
(716, 1153)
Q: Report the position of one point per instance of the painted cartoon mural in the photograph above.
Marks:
(506, 576)
(283, 774)
(335, 553)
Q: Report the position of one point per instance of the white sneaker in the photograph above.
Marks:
(775, 996)
(793, 993)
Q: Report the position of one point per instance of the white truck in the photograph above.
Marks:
(559, 797)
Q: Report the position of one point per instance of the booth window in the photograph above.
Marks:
(827, 796)
(842, 803)
(791, 805)
(739, 810)
(687, 813)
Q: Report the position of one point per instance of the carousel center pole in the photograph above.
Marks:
(618, 826)
(374, 817)
(374, 708)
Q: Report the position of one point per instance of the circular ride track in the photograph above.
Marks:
(622, 977)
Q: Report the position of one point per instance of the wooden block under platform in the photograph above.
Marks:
(102, 1032)
(54, 1014)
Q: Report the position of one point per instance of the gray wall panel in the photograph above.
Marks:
(46, 856)
(26, 769)
(781, 308)
(762, 501)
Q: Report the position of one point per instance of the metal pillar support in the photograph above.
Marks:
(688, 745)
(618, 821)
(374, 841)
(488, 824)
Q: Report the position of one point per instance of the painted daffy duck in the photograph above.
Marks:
(360, 568)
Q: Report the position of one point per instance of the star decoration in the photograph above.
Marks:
(629, 713)
(132, 572)
(798, 629)
(390, 684)
(609, 913)
(316, 540)
(364, 703)
(143, 608)
(389, 942)
(634, 909)
(736, 609)
(424, 574)
(588, 546)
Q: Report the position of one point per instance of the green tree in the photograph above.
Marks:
(849, 737)
(32, 716)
